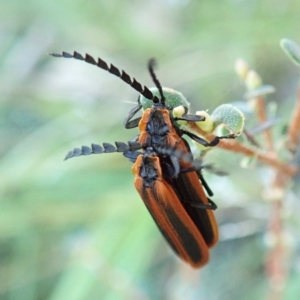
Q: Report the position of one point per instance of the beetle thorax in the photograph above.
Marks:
(157, 127)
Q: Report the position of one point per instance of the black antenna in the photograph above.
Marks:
(130, 148)
(113, 70)
(151, 66)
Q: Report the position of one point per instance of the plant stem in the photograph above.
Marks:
(264, 157)
(294, 127)
(262, 117)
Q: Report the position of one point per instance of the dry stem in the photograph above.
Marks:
(262, 117)
(294, 127)
(275, 266)
(264, 157)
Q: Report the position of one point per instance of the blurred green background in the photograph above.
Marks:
(78, 229)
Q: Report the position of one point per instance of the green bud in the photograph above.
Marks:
(173, 98)
(230, 116)
(241, 68)
(207, 125)
(253, 80)
(178, 111)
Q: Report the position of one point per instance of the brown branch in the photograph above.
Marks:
(294, 127)
(234, 146)
(262, 117)
(276, 269)
(278, 254)
(264, 157)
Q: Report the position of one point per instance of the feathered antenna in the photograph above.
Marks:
(113, 70)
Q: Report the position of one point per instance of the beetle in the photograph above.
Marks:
(175, 218)
(158, 129)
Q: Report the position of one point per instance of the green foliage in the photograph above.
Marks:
(292, 50)
(173, 98)
(230, 116)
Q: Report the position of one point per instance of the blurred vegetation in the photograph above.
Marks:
(78, 229)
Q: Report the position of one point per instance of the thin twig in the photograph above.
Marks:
(276, 270)
(262, 118)
(294, 127)
(234, 146)
(276, 265)
(264, 157)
